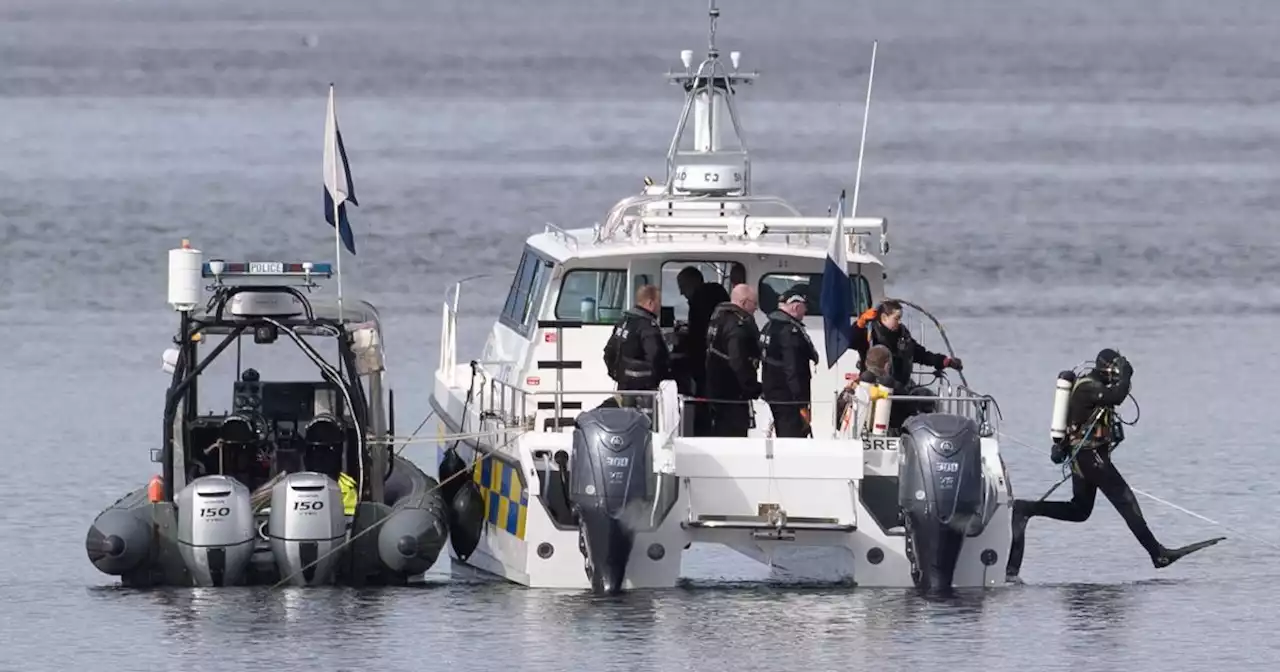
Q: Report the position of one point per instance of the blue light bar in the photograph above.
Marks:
(272, 269)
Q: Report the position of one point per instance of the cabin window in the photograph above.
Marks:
(594, 296)
(526, 292)
(773, 285)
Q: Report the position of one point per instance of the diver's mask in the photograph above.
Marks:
(1108, 365)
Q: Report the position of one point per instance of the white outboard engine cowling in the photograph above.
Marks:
(306, 524)
(216, 532)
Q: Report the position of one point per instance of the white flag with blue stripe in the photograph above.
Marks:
(836, 298)
(338, 188)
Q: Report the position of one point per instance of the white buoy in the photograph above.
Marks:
(186, 290)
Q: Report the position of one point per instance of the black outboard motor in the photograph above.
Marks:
(611, 489)
(943, 494)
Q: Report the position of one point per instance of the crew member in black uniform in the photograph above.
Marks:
(887, 329)
(636, 355)
(1093, 432)
(733, 356)
(691, 351)
(788, 352)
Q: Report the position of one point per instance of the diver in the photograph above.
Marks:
(887, 330)
(1093, 432)
(785, 375)
(636, 355)
(733, 355)
(691, 351)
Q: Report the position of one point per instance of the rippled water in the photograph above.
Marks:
(1059, 178)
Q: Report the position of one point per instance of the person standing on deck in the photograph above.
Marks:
(786, 375)
(733, 356)
(703, 297)
(636, 355)
(886, 328)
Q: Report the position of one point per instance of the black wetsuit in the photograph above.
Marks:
(1093, 426)
(733, 355)
(786, 374)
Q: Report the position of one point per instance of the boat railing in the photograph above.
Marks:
(854, 420)
(623, 217)
(516, 408)
(449, 325)
(643, 217)
(570, 240)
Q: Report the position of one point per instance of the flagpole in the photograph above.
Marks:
(862, 146)
(337, 222)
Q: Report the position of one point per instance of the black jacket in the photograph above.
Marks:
(733, 354)
(787, 354)
(636, 355)
(1088, 396)
(692, 345)
(906, 351)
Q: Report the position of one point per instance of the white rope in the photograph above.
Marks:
(443, 438)
(1165, 502)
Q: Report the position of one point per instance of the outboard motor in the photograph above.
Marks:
(306, 524)
(216, 532)
(611, 489)
(943, 494)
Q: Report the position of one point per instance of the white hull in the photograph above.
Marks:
(719, 478)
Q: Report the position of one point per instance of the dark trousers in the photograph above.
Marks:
(1093, 472)
(730, 419)
(788, 423)
(702, 411)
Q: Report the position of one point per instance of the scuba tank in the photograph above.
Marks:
(1061, 402)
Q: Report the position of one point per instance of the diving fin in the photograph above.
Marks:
(1172, 555)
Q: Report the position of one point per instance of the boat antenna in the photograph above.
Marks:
(713, 13)
(862, 146)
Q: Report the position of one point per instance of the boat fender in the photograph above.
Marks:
(449, 468)
(1061, 400)
(466, 519)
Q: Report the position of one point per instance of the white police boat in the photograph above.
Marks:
(295, 484)
(562, 493)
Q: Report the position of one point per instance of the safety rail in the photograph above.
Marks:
(569, 240)
(509, 404)
(960, 401)
(449, 326)
(629, 209)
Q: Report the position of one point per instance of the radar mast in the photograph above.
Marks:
(708, 168)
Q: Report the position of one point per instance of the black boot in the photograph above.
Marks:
(1019, 542)
(1168, 556)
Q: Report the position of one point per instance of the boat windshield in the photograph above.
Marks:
(280, 361)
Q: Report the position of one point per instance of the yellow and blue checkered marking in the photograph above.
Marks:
(506, 503)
